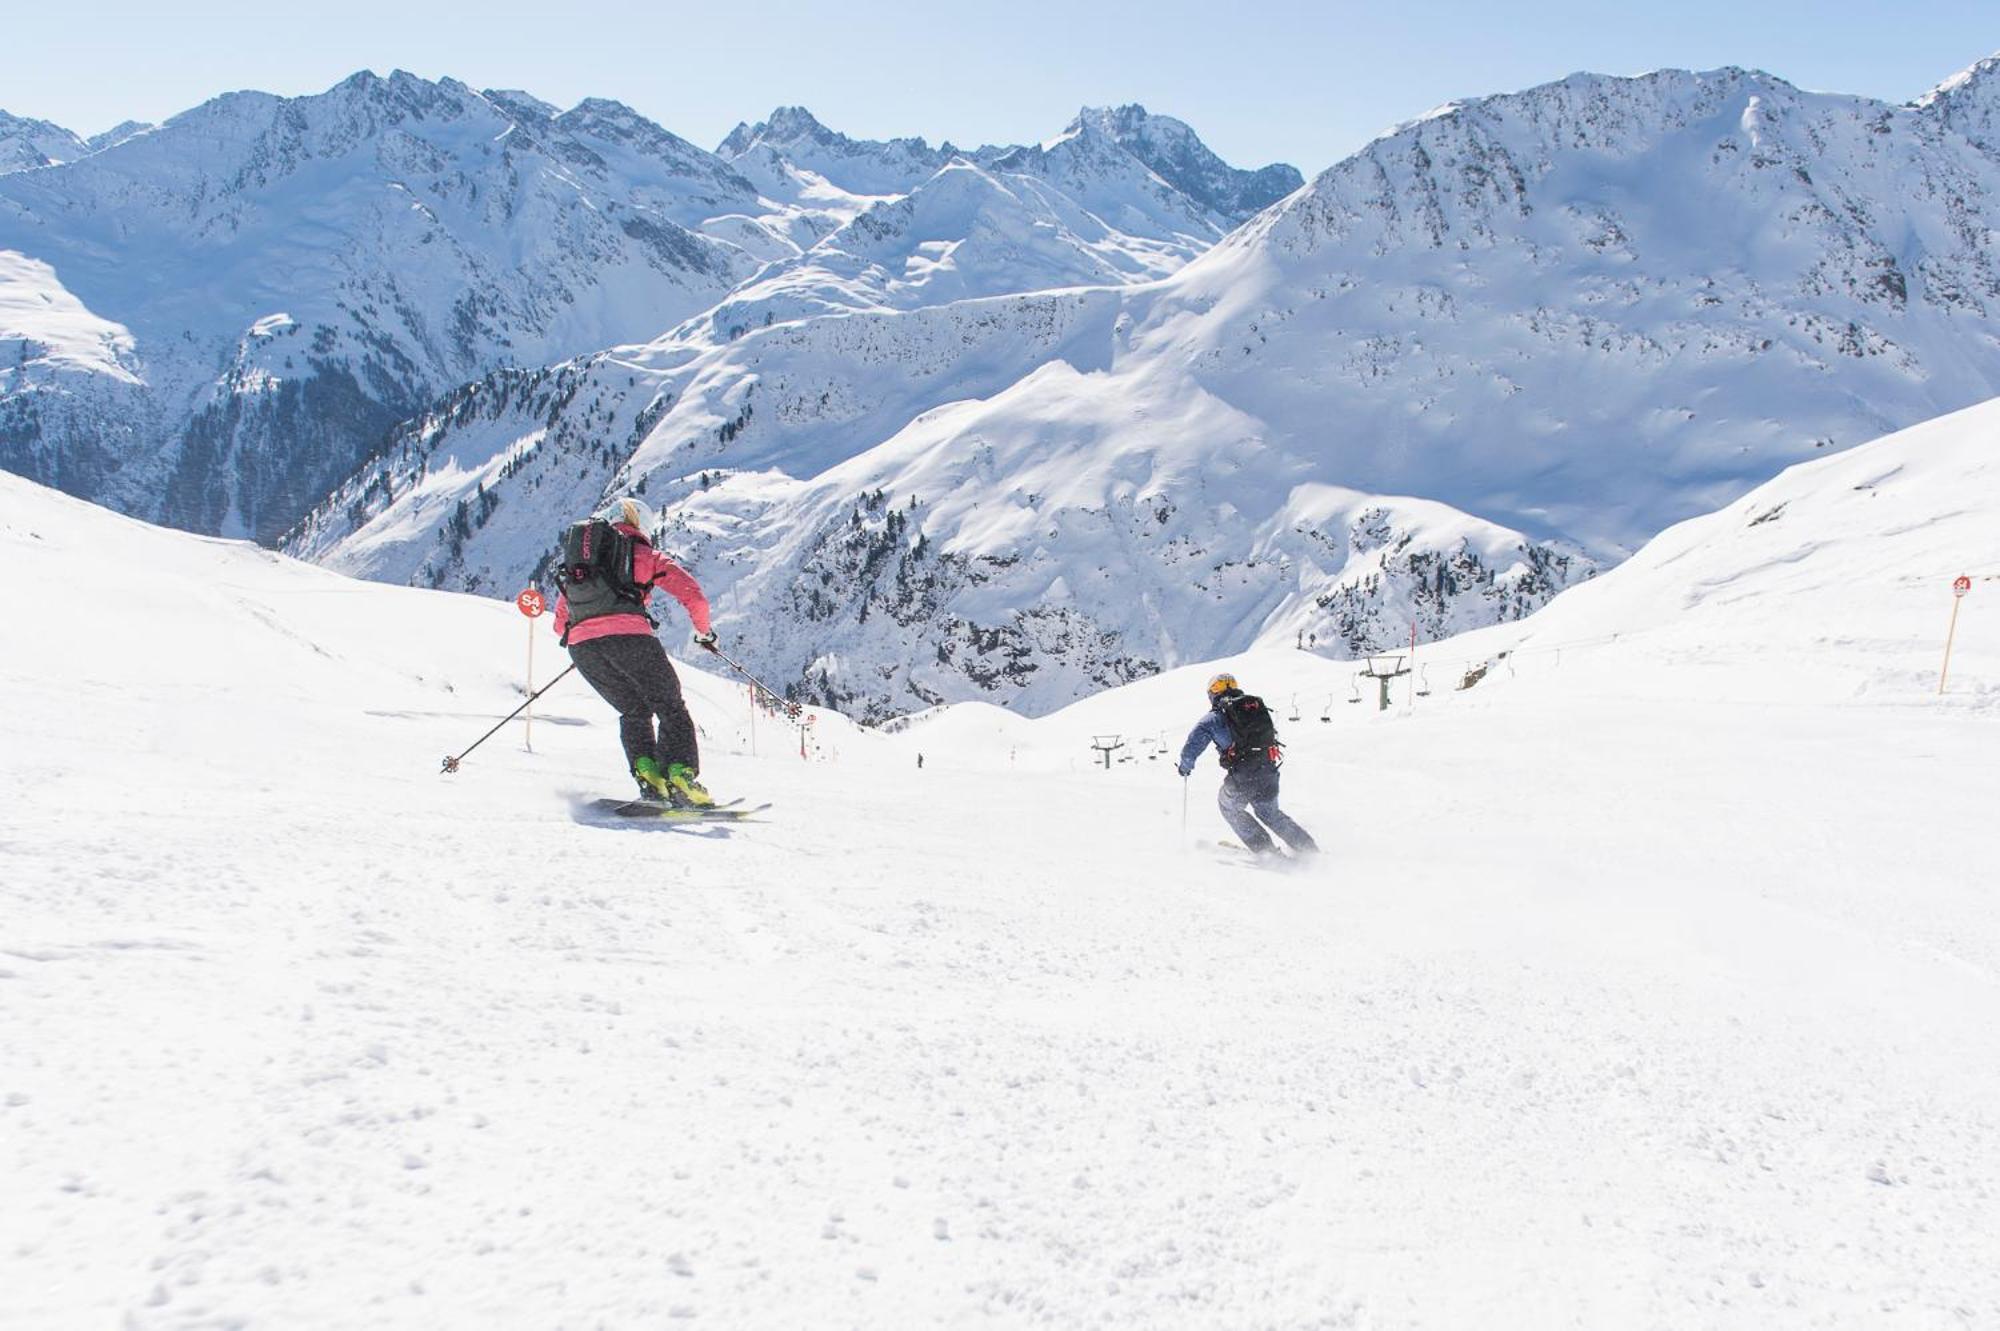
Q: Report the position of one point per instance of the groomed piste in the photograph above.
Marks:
(1650, 981)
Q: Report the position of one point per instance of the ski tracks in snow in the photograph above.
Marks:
(338, 1042)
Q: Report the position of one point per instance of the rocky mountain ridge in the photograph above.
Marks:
(26, 144)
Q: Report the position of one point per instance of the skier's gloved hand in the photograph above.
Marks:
(1184, 771)
(705, 641)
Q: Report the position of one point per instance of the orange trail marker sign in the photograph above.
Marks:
(531, 604)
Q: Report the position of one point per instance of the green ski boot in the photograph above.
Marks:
(680, 777)
(654, 786)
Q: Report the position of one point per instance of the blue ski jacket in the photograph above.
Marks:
(1211, 729)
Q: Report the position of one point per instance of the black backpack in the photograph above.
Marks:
(1253, 735)
(595, 574)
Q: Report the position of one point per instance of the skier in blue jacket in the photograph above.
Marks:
(1246, 741)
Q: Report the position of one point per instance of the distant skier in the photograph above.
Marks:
(608, 570)
(1240, 727)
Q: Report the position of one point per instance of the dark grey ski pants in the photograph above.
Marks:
(1252, 789)
(632, 672)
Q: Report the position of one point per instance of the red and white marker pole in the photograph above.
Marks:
(531, 604)
(1959, 587)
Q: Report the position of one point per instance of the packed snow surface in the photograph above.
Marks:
(1634, 987)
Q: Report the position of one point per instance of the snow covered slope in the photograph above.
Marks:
(1564, 319)
(1828, 586)
(1596, 1012)
(1831, 582)
(976, 553)
(296, 275)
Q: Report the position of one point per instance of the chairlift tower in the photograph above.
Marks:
(1107, 745)
(1383, 669)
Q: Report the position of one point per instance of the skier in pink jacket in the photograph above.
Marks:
(608, 571)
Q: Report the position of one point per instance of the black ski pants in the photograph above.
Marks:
(632, 672)
(1249, 794)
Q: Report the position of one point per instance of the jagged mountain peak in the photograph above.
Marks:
(1133, 125)
(400, 93)
(738, 141)
(27, 143)
(1981, 79)
(1511, 139)
(396, 80)
(1969, 103)
(606, 109)
(792, 134)
(605, 119)
(1587, 109)
(1096, 138)
(792, 126)
(1172, 150)
(525, 106)
(359, 107)
(787, 124)
(117, 134)
(1116, 120)
(790, 123)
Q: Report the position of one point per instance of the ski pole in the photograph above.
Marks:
(1184, 791)
(792, 709)
(451, 764)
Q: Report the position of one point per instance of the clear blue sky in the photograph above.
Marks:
(1289, 81)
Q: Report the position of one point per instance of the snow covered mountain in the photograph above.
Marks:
(273, 282)
(1166, 147)
(968, 555)
(1554, 321)
(1606, 304)
(966, 232)
(31, 143)
(1120, 196)
(266, 285)
(1175, 154)
(792, 144)
(25, 143)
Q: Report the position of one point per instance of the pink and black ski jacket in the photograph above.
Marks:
(650, 569)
